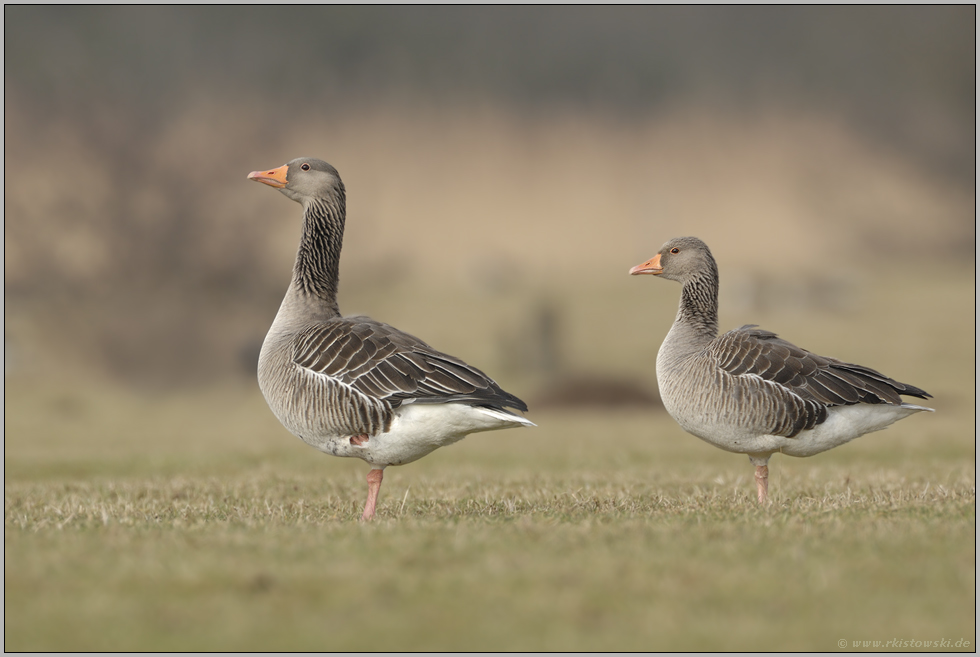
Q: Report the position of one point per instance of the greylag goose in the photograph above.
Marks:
(351, 386)
(750, 392)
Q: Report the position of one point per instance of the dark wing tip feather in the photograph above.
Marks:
(912, 391)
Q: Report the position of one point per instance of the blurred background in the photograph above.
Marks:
(505, 167)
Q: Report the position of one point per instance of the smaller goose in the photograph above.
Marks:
(747, 391)
(351, 386)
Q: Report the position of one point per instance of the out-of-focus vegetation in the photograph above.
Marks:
(906, 72)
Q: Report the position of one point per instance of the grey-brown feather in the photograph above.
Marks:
(819, 382)
(392, 366)
(311, 405)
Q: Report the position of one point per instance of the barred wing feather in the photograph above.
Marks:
(387, 364)
(806, 384)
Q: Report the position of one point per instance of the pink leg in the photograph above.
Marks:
(374, 478)
(762, 482)
(359, 439)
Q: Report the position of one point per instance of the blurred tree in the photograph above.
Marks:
(908, 73)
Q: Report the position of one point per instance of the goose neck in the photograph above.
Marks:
(317, 268)
(697, 314)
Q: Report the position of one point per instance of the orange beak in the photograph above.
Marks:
(651, 266)
(274, 177)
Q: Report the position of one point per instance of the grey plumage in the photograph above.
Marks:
(751, 392)
(390, 365)
(343, 384)
(382, 366)
(809, 384)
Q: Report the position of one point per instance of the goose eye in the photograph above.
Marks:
(675, 250)
(305, 167)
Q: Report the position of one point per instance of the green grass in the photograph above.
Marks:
(594, 531)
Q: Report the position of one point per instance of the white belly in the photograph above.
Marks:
(843, 424)
(419, 429)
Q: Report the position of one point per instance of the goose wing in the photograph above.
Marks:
(386, 364)
(796, 385)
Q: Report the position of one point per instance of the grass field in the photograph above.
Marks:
(193, 521)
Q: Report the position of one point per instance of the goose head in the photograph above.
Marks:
(303, 180)
(680, 259)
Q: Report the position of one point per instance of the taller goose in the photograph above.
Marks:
(351, 386)
(750, 392)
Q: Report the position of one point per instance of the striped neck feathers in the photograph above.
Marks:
(317, 266)
(698, 309)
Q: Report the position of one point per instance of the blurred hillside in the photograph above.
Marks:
(497, 160)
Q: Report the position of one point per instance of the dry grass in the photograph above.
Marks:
(273, 562)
